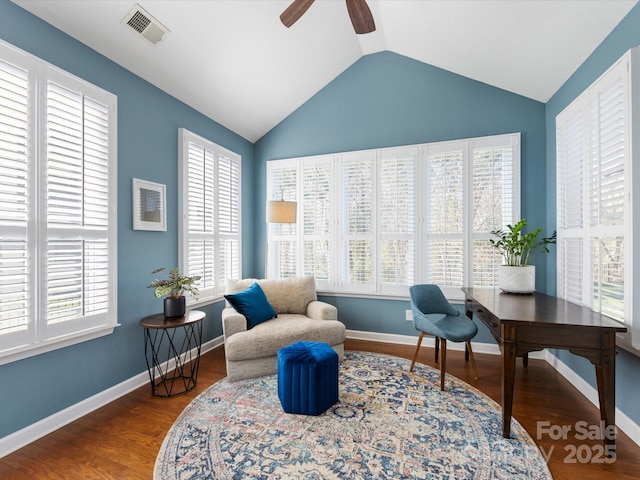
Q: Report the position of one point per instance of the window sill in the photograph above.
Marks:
(204, 301)
(20, 353)
(623, 340)
(382, 296)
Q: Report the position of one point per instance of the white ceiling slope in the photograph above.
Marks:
(234, 61)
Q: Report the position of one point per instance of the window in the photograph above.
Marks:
(594, 189)
(210, 236)
(58, 200)
(367, 226)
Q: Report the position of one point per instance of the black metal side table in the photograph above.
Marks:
(172, 342)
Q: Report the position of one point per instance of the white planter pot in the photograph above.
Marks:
(517, 279)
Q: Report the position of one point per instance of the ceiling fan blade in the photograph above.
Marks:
(294, 11)
(361, 17)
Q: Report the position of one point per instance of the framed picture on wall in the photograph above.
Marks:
(149, 206)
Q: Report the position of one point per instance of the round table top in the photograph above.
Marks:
(159, 321)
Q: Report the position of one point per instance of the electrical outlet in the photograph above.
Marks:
(409, 316)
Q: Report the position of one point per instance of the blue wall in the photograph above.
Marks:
(625, 36)
(384, 100)
(148, 122)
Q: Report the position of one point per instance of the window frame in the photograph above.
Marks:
(625, 70)
(376, 288)
(41, 334)
(219, 270)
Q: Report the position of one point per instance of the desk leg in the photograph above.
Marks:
(508, 377)
(605, 376)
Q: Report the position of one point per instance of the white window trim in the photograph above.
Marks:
(375, 290)
(27, 351)
(40, 337)
(216, 292)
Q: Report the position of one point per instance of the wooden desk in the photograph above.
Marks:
(527, 323)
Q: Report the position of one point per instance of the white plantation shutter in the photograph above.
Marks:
(594, 182)
(358, 222)
(495, 181)
(570, 154)
(200, 244)
(444, 213)
(17, 274)
(396, 218)
(229, 217)
(377, 221)
(57, 209)
(210, 236)
(607, 153)
(283, 237)
(77, 179)
(318, 220)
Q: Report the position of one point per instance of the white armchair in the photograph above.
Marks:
(253, 352)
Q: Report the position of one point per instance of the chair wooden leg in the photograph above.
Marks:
(473, 360)
(415, 355)
(443, 362)
(437, 348)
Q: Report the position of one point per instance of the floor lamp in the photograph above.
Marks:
(278, 211)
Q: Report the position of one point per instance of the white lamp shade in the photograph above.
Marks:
(280, 211)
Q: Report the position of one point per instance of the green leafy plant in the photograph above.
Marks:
(176, 285)
(518, 248)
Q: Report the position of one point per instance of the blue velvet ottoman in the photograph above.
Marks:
(307, 377)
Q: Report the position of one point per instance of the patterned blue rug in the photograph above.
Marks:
(388, 424)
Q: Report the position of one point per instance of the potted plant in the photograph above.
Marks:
(518, 249)
(173, 289)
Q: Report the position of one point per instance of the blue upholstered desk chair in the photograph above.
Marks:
(434, 315)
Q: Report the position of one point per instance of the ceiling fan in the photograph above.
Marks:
(359, 12)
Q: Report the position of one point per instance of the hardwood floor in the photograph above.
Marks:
(122, 439)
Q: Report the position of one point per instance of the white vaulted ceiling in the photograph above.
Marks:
(235, 62)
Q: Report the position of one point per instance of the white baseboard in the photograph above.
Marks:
(623, 422)
(37, 430)
(428, 341)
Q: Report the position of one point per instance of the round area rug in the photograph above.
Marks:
(388, 424)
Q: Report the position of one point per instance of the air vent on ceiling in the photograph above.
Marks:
(145, 25)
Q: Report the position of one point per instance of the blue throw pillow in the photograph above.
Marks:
(253, 304)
